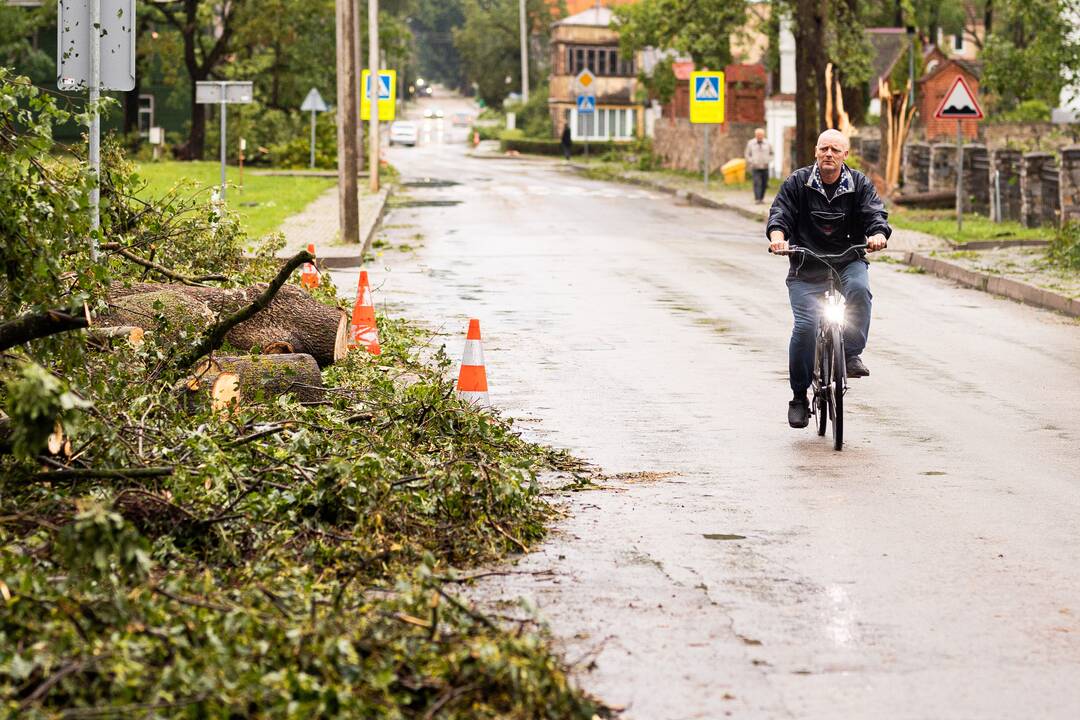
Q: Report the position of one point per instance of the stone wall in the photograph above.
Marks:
(976, 179)
(680, 144)
(942, 167)
(1070, 184)
(1034, 200)
(916, 168)
(1007, 164)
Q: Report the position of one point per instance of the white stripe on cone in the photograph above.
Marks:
(474, 353)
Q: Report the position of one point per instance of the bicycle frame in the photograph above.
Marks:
(829, 379)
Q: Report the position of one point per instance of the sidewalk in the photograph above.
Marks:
(1013, 273)
(318, 223)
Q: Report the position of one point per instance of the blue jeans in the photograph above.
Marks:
(806, 306)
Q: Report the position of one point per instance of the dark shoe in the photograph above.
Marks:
(856, 368)
(798, 413)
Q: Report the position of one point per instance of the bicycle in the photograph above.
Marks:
(829, 380)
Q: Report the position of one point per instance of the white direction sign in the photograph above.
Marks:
(73, 37)
(223, 91)
(959, 103)
(314, 102)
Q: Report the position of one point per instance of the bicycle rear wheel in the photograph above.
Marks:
(836, 387)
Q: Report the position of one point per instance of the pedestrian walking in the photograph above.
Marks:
(566, 142)
(758, 156)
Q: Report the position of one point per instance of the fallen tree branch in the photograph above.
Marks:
(104, 473)
(158, 268)
(34, 325)
(216, 335)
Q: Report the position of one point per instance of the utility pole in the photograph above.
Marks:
(374, 84)
(524, 53)
(348, 115)
(357, 5)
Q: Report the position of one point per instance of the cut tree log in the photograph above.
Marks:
(292, 317)
(229, 379)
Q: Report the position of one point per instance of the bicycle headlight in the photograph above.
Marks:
(834, 312)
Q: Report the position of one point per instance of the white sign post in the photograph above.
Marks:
(223, 92)
(95, 49)
(959, 104)
(315, 104)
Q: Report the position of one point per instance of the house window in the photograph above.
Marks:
(958, 42)
(604, 124)
(146, 115)
(603, 62)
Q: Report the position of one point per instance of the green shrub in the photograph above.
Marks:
(536, 146)
(1027, 111)
(534, 117)
(296, 152)
(1064, 249)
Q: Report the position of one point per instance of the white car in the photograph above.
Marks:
(404, 133)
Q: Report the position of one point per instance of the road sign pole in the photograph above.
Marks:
(95, 125)
(959, 178)
(374, 86)
(223, 158)
(705, 162)
(312, 138)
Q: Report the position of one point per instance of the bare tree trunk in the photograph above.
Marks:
(807, 60)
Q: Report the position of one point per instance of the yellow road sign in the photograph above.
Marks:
(706, 97)
(387, 95)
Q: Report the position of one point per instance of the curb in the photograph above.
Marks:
(996, 285)
(367, 232)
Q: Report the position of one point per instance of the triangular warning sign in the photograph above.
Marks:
(959, 103)
(707, 89)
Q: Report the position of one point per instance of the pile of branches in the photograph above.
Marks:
(284, 549)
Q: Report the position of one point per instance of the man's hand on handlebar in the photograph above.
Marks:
(876, 242)
(777, 243)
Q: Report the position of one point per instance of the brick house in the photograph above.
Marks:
(932, 88)
(586, 40)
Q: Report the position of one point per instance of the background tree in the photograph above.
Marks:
(1031, 52)
(700, 29)
(206, 29)
(436, 55)
(489, 44)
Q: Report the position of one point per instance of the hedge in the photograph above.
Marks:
(539, 146)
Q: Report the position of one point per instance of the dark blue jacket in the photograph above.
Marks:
(809, 219)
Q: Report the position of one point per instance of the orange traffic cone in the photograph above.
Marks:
(362, 330)
(309, 276)
(472, 380)
(475, 139)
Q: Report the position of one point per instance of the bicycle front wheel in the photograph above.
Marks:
(836, 387)
(822, 373)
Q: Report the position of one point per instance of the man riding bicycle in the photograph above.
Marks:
(826, 207)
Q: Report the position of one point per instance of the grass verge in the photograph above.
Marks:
(262, 204)
(942, 223)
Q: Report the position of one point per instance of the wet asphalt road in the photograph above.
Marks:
(734, 566)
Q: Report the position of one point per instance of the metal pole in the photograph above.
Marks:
(997, 196)
(524, 54)
(959, 178)
(373, 78)
(95, 126)
(223, 143)
(313, 138)
(705, 161)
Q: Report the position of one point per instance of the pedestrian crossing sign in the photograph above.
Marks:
(586, 104)
(707, 97)
(387, 94)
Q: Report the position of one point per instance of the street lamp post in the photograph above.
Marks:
(524, 53)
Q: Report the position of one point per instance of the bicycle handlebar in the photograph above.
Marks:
(824, 258)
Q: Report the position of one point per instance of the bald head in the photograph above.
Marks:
(830, 153)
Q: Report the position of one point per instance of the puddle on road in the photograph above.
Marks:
(425, 203)
(933, 472)
(430, 183)
(723, 536)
